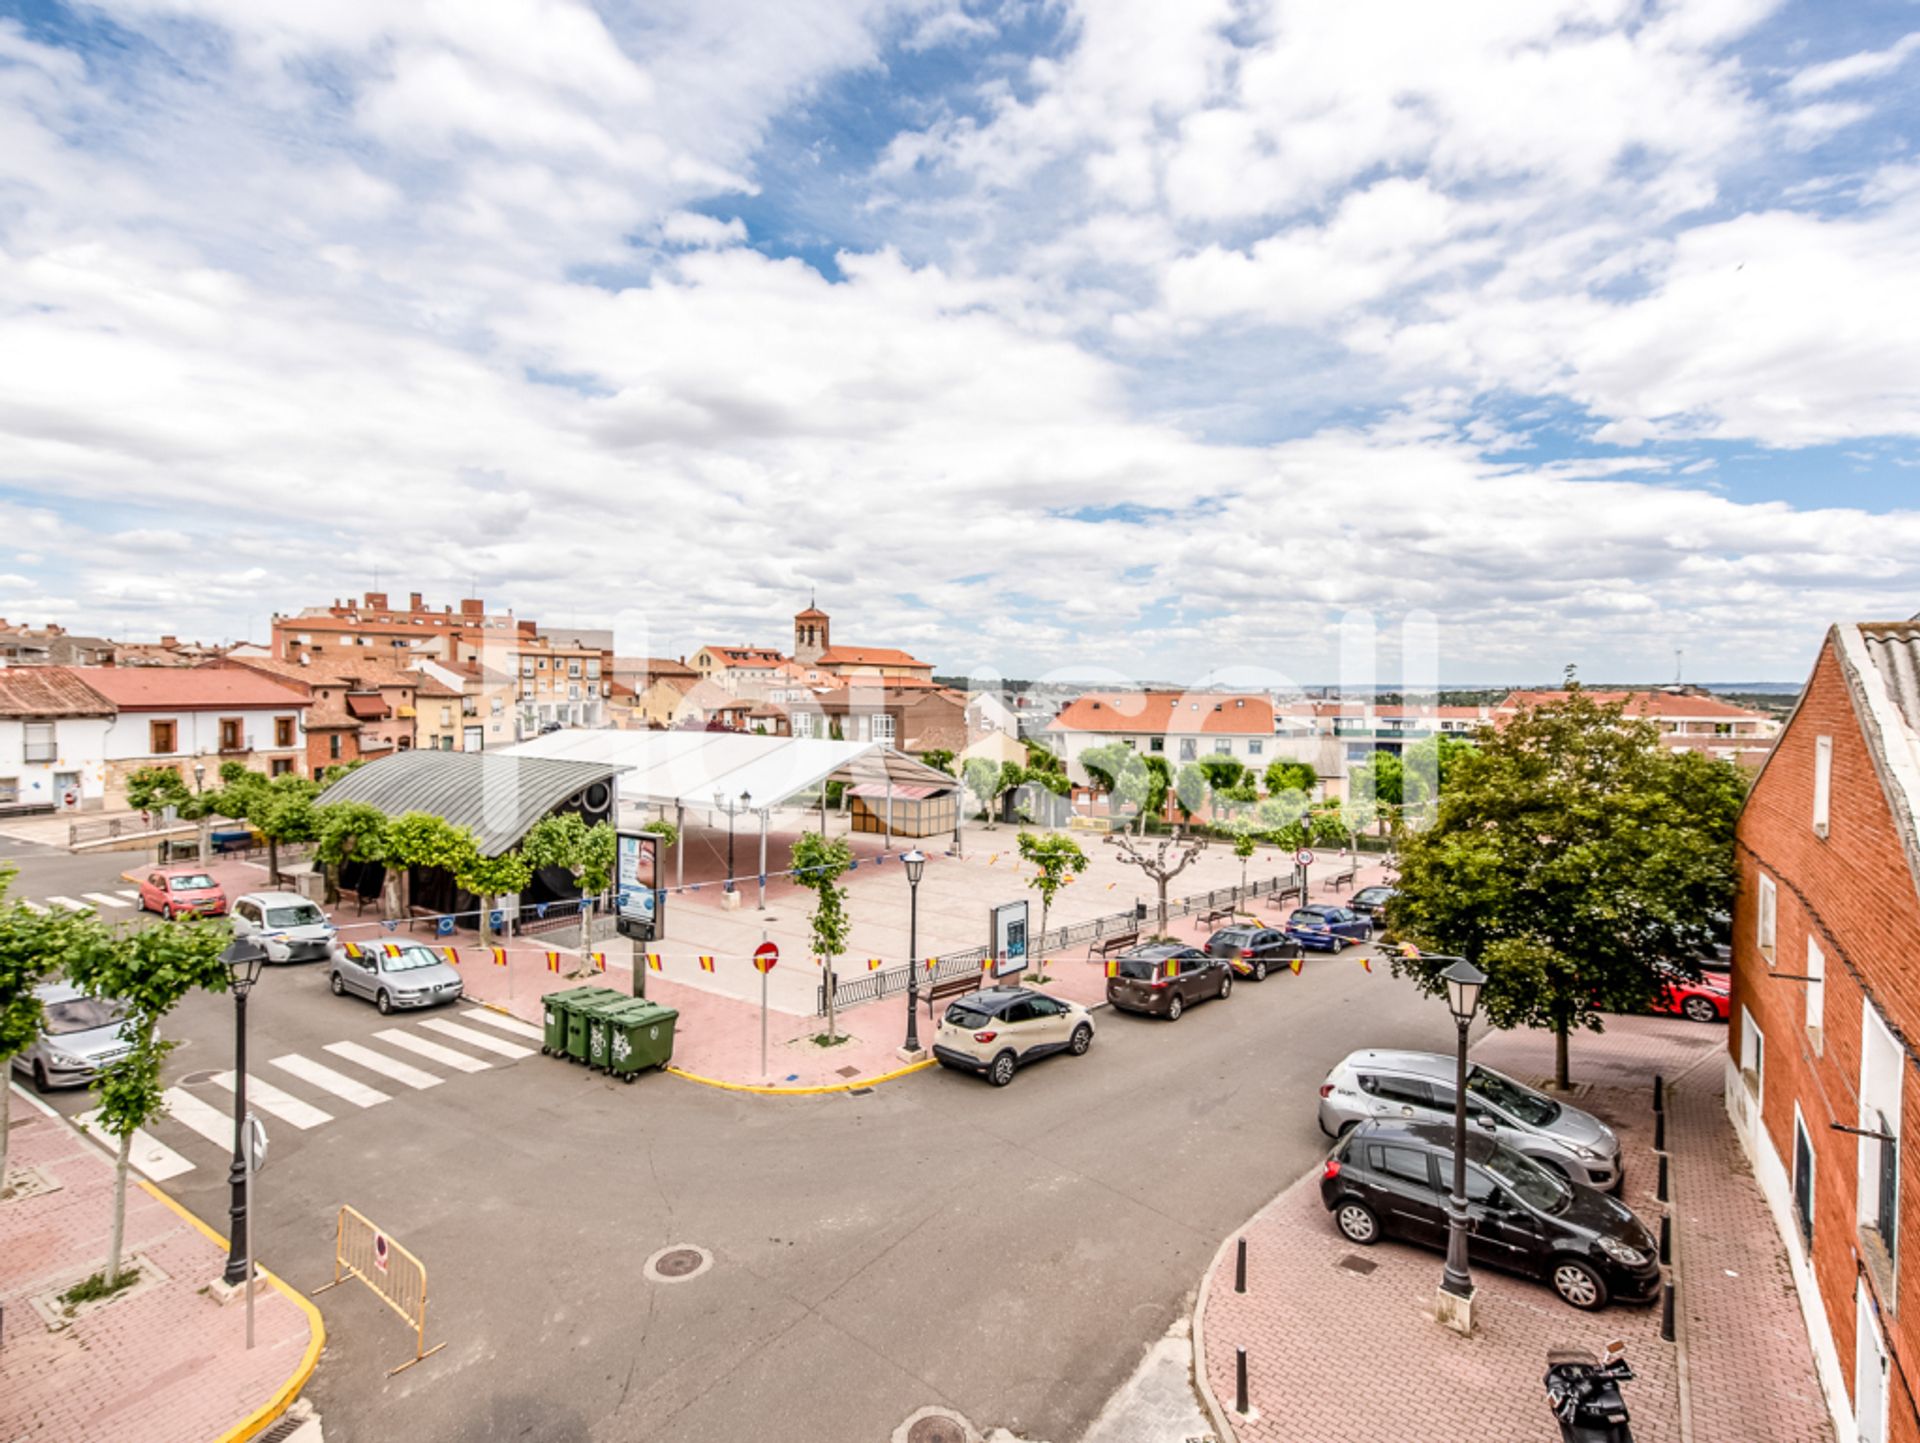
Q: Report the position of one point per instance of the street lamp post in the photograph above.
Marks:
(199, 786)
(720, 801)
(242, 958)
(1464, 982)
(915, 862)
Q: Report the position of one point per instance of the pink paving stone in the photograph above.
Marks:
(157, 1364)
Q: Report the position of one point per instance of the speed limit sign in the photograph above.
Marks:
(1303, 857)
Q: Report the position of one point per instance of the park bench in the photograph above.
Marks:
(1107, 946)
(957, 985)
(1284, 897)
(1216, 916)
(1341, 879)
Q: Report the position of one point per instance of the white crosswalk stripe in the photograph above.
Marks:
(68, 903)
(105, 899)
(271, 1100)
(446, 1056)
(505, 1023)
(153, 1158)
(130, 896)
(327, 1080)
(480, 1040)
(199, 1115)
(384, 1065)
(35, 907)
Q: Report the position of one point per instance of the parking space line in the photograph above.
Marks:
(106, 899)
(504, 1023)
(477, 1039)
(459, 1061)
(271, 1100)
(153, 1158)
(386, 1066)
(199, 1116)
(327, 1080)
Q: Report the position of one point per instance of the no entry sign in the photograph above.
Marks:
(380, 1251)
(765, 956)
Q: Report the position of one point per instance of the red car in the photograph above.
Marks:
(184, 892)
(1701, 1001)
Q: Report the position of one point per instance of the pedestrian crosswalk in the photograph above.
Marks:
(86, 901)
(197, 1127)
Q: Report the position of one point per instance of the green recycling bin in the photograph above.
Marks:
(553, 1011)
(596, 1011)
(575, 1007)
(639, 1036)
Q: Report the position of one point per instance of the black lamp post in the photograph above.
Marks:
(1464, 982)
(915, 862)
(242, 958)
(720, 801)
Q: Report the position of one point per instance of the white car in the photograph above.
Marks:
(291, 928)
(993, 1032)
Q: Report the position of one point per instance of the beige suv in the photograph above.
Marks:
(995, 1031)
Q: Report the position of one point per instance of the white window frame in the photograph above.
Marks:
(1223, 747)
(880, 727)
(1816, 994)
(1822, 784)
(1882, 1082)
(1753, 1060)
(39, 741)
(1767, 919)
(1800, 1130)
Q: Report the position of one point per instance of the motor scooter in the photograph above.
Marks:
(1584, 1393)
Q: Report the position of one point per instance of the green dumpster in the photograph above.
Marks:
(640, 1035)
(575, 1007)
(596, 1011)
(553, 1008)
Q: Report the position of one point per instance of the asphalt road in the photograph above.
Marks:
(1008, 1253)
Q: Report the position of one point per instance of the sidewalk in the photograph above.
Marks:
(1308, 1314)
(160, 1362)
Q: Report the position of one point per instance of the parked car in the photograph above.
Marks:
(1253, 951)
(290, 927)
(1418, 1087)
(1703, 1000)
(1391, 1179)
(548, 728)
(78, 1036)
(1329, 928)
(994, 1031)
(182, 892)
(1164, 979)
(1371, 902)
(408, 976)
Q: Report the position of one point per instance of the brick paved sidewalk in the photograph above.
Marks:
(1343, 1356)
(160, 1362)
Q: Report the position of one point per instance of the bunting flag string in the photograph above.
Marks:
(392, 949)
(599, 960)
(930, 962)
(499, 956)
(1295, 964)
(706, 963)
(653, 961)
(1173, 966)
(553, 961)
(1366, 962)
(1113, 968)
(352, 949)
(874, 964)
(452, 955)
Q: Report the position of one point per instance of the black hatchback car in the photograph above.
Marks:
(1253, 951)
(1391, 1179)
(1164, 979)
(1371, 902)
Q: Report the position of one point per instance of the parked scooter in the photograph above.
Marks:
(1584, 1393)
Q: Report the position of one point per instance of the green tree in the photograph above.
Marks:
(1281, 818)
(1284, 775)
(982, 777)
(348, 832)
(818, 862)
(1328, 828)
(586, 853)
(282, 811)
(1057, 859)
(940, 759)
(1159, 787)
(1569, 856)
(1105, 763)
(148, 971)
(1042, 758)
(153, 789)
(1191, 790)
(491, 878)
(34, 948)
(1223, 773)
(1245, 840)
(1168, 859)
(1132, 788)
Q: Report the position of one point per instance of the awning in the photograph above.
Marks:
(877, 790)
(367, 708)
(495, 795)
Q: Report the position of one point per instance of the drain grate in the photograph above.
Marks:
(678, 1263)
(1354, 1263)
(846, 1072)
(935, 1429)
(281, 1431)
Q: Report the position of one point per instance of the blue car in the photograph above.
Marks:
(1328, 928)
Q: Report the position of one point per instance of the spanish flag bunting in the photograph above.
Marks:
(1173, 966)
(452, 955)
(599, 960)
(553, 961)
(499, 956)
(1295, 964)
(930, 962)
(653, 961)
(994, 858)
(706, 964)
(1111, 886)
(352, 948)
(873, 964)
(1113, 968)
(1366, 962)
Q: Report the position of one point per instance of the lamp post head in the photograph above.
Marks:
(243, 959)
(720, 800)
(199, 773)
(746, 798)
(1464, 981)
(915, 862)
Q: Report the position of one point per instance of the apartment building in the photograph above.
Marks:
(1180, 726)
(1688, 720)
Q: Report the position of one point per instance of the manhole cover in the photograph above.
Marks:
(678, 1263)
(1354, 1263)
(936, 1429)
(846, 1072)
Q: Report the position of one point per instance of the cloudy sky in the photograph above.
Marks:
(1124, 336)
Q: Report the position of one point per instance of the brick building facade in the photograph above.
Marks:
(1820, 1070)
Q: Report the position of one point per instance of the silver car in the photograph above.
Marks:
(395, 975)
(78, 1036)
(1418, 1087)
(290, 927)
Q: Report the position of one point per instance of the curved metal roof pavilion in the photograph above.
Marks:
(497, 796)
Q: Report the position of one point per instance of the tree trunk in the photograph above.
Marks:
(486, 920)
(206, 840)
(826, 971)
(1561, 1077)
(1043, 935)
(331, 893)
(273, 861)
(1163, 906)
(119, 1235)
(6, 1104)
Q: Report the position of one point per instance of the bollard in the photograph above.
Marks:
(1666, 1238)
(1660, 1187)
(1660, 1131)
(1240, 1268)
(1240, 1377)
(1659, 1093)
(1666, 1312)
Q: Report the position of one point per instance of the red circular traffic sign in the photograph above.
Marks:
(765, 956)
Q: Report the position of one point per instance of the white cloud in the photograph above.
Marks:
(1851, 69)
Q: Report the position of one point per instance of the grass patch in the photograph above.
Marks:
(97, 1287)
(822, 1039)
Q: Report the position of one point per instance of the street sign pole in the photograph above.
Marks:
(256, 1157)
(764, 956)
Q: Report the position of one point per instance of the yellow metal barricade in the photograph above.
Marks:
(396, 1275)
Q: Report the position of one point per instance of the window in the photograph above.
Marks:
(1188, 749)
(526, 666)
(496, 705)
(1403, 1090)
(40, 747)
(593, 670)
(1769, 906)
(1157, 744)
(1822, 783)
(446, 716)
(283, 731)
(232, 734)
(1878, 1179)
(573, 668)
(880, 727)
(1406, 1163)
(9, 791)
(333, 746)
(1255, 747)
(1802, 1178)
(1753, 1055)
(573, 691)
(279, 767)
(1816, 992)
(160, 737)
(1223, 747)
(542, 663)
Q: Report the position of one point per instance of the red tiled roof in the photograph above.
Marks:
(48, 691)
(333, 671)
(1167, 712)
(191, 688)
(1645, 704)
(727, 656)
(871, 656)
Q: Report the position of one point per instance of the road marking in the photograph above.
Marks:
(271, 1100)
(34, 907)
(199, 1115)
(130, 896)
(477, 1039)
(459, 1061)
(68, 903)
(105, 899)
(386, 1066)
(504, 1023)
(151, 1156)
(327, 1080)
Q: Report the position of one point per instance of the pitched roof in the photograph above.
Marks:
(728, 656)
(431, 685)
(189, 688)
(1167, 712)
(334, 671)
(651, 666)
(812, 613)
(495, 795)
(870, 656)
(48, 691)
(1661, 704)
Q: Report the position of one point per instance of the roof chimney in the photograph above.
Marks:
(414, 602)
(376, 601)
(472, 606)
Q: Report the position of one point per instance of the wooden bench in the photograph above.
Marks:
(1218, 914)
(1118, 942)
(1342, 879)
(956, 986)
(1285, 897)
